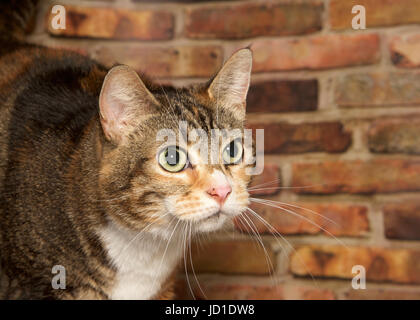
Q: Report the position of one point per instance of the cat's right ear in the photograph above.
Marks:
(124, 102)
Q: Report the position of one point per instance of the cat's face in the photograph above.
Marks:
(154, 174)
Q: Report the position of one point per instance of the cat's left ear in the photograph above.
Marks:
(230, 86)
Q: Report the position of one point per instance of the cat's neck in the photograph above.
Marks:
(84, 168)
(143, 261)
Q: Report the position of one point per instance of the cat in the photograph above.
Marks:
(84, 183)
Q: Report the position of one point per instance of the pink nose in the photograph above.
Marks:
(220, 193)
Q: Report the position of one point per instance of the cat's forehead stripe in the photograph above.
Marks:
(196, 115)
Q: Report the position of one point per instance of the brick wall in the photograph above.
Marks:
(341, 113)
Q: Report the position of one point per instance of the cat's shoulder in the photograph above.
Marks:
(50, 87)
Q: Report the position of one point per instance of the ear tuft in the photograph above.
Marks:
(124, 101)
(230, 86)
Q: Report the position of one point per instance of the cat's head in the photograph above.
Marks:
(151, 174)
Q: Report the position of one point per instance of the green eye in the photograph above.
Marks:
(232, 153)
(172, 159)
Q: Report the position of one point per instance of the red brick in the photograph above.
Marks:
(357, 176)
(283, 96)
(252, 19)
(378, 89)
(402, 220)
(336, 219)
(387, 293)
(307, 137)
(220, 290)
(268, 182)
(401, 135)
(381, 264)
(317, 52)
(232, 257)
(405, 50)
(378, 12)
(113, 23)
(160, 61)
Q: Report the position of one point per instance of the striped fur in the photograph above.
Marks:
(63, 184)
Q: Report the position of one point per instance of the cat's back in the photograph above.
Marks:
(12, 64)
(41, 90)
(48, 119)
(47, 98)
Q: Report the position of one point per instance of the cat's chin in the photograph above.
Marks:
(213, 223)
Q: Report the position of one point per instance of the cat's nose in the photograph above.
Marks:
(220, 193)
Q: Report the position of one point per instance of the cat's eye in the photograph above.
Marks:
(232, 153)
(173, 159)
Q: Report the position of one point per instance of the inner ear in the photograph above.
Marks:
(124, 101)
(230, 86)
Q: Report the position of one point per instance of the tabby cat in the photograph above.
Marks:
(85, 184)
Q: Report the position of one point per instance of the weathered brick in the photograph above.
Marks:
(381, 264)
(268, 182)
(378, 89)
(252, 19)
(395, 136)
(405, 50)
(219, 290)
(113, 23)
(357, 176)
(378, 12)
(179, 61)
(402, 220)
(232, 257)
(283, 96)
(306, 137)
(336, 219)
(387, 293)
(317, 52)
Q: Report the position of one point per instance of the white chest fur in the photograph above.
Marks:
(143, 261)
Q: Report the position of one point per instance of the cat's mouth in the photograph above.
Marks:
(214, 215)
(212, 222)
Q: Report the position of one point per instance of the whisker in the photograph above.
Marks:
(166, 249)
(141, 232)
(298, 207)
(192, 265)
(302, 217)
(257, 188)
(275, 232)
(266, 183)
(185, 262)
(258, 237)
(270, 227)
